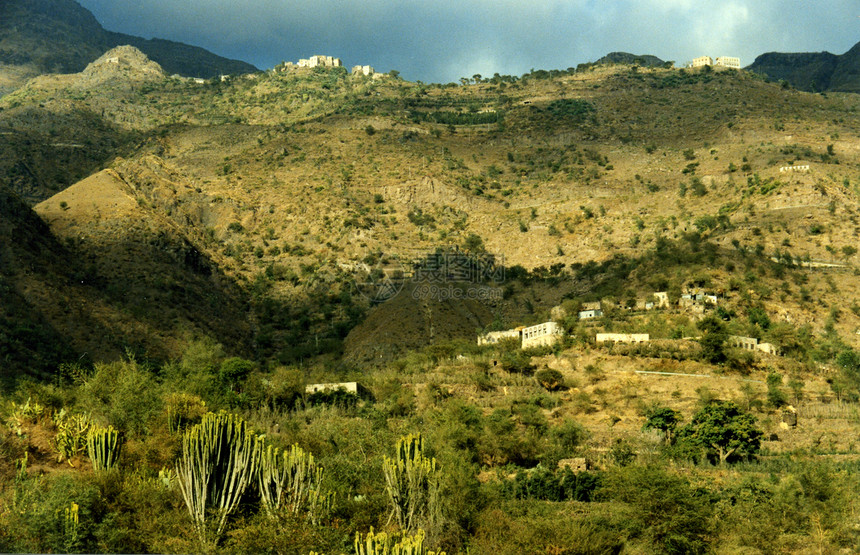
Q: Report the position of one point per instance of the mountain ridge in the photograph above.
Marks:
(812, 71)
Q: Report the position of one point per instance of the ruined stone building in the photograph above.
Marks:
(622, 338)
(362, 70)
(752, 344)
(493, 337)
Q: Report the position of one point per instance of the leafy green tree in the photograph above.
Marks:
(663, 419)
(722, 431)
(713, 339)
(847, 383)
(234, 370)
(775, 395)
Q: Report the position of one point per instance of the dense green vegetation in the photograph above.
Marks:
(473, 479)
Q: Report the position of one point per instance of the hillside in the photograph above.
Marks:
(222, 245)
(626, 58)
(816, 72)
(76, 38)
(295, 185)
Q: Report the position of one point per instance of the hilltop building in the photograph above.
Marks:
(320, 61)
(363, 70)
(720, 61)
(312, 62)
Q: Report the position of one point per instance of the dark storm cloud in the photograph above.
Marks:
(443, 40)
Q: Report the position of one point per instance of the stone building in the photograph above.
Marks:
(320, 61)
(493, 337)
(349, 387)
(726, 61)
(540, 335)
(591, 313)
(720, 61)
(752, 344)
(702, 61)
(741, 342)
(363, 70)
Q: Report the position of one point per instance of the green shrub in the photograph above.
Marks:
(122, 394)
(549, 379)
(666, 512)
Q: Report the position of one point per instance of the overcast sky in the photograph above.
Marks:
(443, 40)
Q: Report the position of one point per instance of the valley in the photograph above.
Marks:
(178, 248)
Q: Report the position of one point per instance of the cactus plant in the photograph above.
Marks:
(71, 436)
(71, 525)
(412, 484)
(290, 480)
(381, 543)
(218, 462)
(103, 447)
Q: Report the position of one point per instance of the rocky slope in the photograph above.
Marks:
(250, 210)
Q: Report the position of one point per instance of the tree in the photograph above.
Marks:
(713, 339)
(722, 431)
(663, 419)
(474, 244)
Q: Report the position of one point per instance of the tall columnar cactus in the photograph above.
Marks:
(291, 480)
(412, 483)
(219, 457)
(103, 447)
(392, 544)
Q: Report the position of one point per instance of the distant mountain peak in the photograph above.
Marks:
(124, 58)
(123, 62)
(61, 36)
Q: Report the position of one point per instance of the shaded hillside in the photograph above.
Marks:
(60, 36)
(417, 317)
(29, 257)
(847, 75)
(45, 151)
(159, 284)
(815, 72)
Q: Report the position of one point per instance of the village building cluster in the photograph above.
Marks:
(327, 62)
(549, 333)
